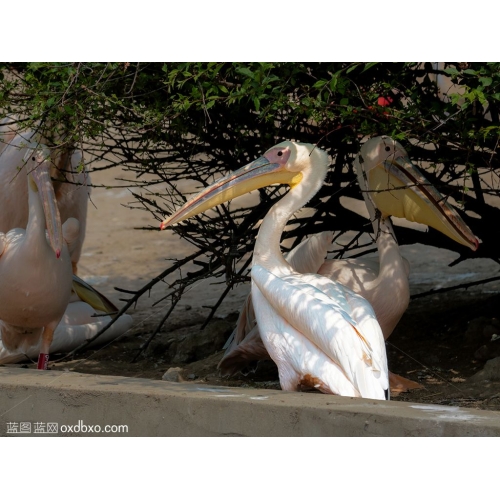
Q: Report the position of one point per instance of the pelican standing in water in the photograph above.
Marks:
(391, 185)
(318, 332)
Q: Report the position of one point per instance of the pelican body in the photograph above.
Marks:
(391, 185)
(318, 332)
(39, 295)
(35, 266)
(82, 320)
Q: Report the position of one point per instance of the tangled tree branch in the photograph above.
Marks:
(173, 123)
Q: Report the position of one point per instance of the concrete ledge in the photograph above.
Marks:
(158, 408)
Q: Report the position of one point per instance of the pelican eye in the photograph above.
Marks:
(387, 148)
(280, 153)
(33, 158)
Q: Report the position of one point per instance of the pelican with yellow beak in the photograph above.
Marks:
(391, 185)
(318, 332)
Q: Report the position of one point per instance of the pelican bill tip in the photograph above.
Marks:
(171, 221)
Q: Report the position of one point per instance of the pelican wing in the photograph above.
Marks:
(246, 322)
(309, 255)
(300, 361)
(239, 355)
(306, 257)
(334, 319)
(357, 310)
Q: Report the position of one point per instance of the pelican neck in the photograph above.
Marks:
(267, 251)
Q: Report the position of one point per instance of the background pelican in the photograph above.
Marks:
(80, 307)
(391, 185)
(35, 268)
(318, 332)
(70, 183)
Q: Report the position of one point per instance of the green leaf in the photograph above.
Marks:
(246, 72)
(452, 71)
(368, 66)
(485, 81)
(320, 84)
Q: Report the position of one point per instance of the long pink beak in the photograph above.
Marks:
(259, 173)
(39, 169)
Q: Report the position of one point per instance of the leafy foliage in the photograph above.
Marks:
(191, 121)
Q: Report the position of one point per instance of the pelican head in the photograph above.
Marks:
(39, 166)
(285, 163)
(395, 186)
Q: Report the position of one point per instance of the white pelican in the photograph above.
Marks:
(72, 196)
(81, 310)
(318, 332)
(383, 169)
(35, 267)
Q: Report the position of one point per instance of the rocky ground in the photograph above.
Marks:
(444, 343)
